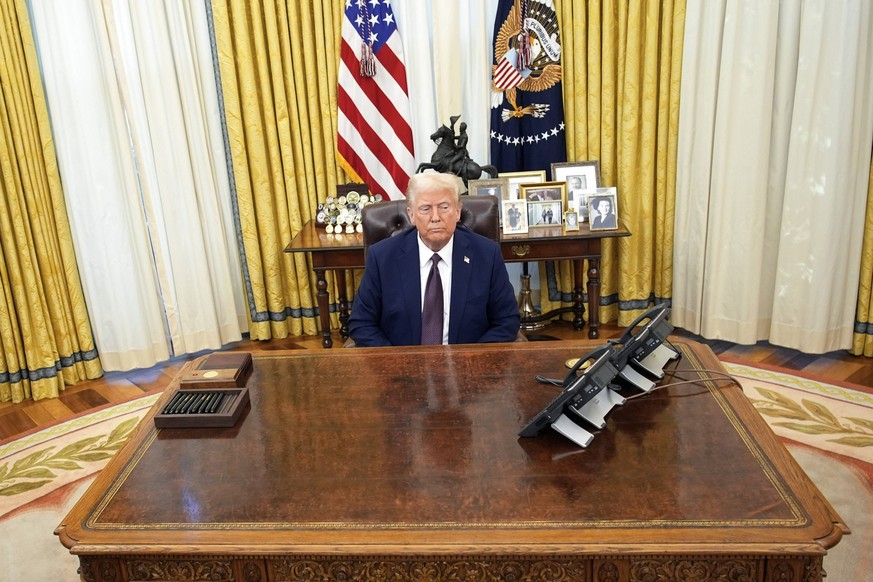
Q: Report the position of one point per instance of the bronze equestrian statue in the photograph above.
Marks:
(451, 155)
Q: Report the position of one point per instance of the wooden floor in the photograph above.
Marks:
(115, 387)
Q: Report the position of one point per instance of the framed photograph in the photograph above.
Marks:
(496, 187)
(516, 179)
(514, 216)
(582, 178)
(603, 209)
(578, 175)
(571, 221)
(546, 202)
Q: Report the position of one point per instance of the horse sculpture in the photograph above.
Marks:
(451, 155)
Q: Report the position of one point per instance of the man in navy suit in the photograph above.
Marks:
(479, 301)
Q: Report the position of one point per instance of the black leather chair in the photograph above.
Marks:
(481, 214)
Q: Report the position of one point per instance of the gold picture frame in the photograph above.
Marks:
(516, 179)
(546, 203)
(495, 186)
(571, 221)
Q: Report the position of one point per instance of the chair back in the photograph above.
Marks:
(481, 214)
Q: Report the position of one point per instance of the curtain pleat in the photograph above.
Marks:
(45, 335)
(774, 172)
(278, 66)
(140, 147)
(862, 339)
(622, 66)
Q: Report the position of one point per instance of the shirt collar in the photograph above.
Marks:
(425, 254)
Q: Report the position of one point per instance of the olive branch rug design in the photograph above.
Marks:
(813, 412)
(36, 464)
(39, 469)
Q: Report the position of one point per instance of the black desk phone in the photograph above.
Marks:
(588, 392)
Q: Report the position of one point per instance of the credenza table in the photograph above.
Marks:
(338, 252)
(405, 464)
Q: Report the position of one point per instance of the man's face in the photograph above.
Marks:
(435, 215)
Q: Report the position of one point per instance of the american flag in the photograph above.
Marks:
(374, 138)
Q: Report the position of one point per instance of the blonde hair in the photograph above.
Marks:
(433, 182)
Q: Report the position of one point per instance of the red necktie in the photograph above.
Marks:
(432, 310)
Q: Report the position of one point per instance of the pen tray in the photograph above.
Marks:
(230, 404)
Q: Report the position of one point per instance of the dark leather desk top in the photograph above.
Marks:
(416, 449)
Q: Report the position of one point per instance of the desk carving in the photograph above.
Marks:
(458, 567)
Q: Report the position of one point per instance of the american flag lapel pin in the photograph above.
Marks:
(467, 260)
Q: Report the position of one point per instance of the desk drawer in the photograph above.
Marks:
(545, 249)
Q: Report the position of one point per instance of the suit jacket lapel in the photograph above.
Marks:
(408, 271)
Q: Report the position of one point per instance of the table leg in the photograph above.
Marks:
(578, 296)
(323, 307)
(593, 297)
(343, 303)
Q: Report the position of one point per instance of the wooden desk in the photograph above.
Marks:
(388, 464)
(346, 251)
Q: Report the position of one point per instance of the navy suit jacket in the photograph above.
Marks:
(387, 306)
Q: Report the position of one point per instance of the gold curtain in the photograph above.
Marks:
(622, 65)
(862, 341)
(45, 335)
(278, 66)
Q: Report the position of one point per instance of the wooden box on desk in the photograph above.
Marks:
(220, 370)
(220, 379)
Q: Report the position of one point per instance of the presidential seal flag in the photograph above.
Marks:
(374, 138)
(527, 108)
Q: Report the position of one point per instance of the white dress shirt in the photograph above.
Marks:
(445, 267)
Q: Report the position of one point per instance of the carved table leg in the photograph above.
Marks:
(94, 569)
(323, 307)
(593, 298)
(85, 572)
(578, 296)
(343, 303)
